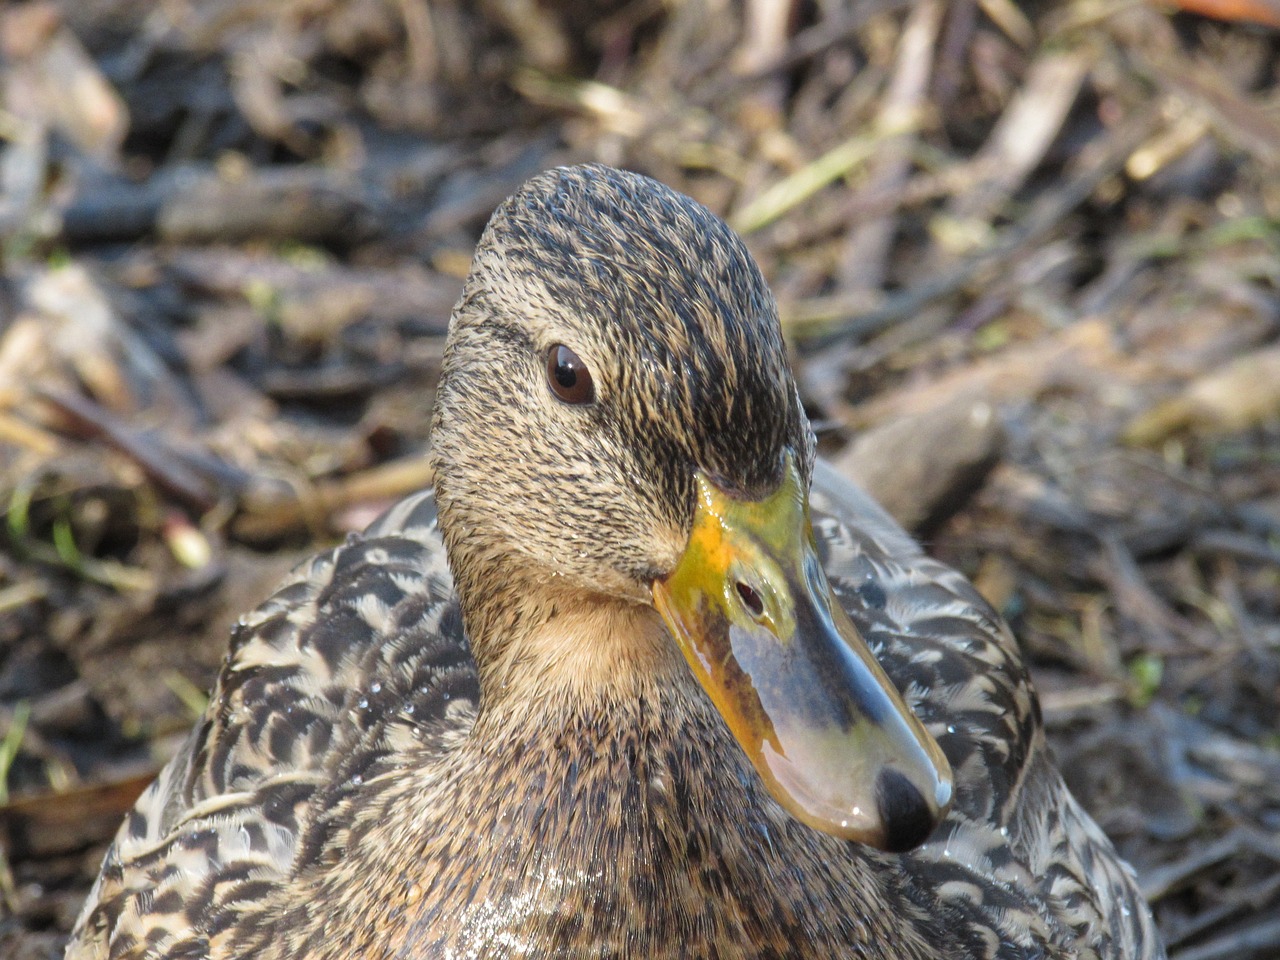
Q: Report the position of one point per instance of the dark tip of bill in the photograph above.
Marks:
(908, 821)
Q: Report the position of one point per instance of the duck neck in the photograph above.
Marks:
(535, 636)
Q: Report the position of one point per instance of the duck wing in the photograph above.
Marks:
(359, 654)
(1017, 868)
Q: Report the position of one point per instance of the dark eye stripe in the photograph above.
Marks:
(568, 376)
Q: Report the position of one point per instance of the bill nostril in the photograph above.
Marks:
(907, 816)
(750, 599)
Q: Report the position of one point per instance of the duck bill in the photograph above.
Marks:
(754, 615)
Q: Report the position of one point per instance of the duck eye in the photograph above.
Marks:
(568, 376)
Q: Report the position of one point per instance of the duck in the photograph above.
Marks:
(639, 676)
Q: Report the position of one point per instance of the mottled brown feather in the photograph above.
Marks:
(370, 780)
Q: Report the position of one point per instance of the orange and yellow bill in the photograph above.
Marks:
(754, 615)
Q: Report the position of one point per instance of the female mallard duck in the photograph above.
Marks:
(686, 694)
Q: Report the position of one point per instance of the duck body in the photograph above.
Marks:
(370, 782)
(631, 828)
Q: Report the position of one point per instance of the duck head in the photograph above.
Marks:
(617, 427)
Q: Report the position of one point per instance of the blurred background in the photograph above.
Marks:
(1027, 257)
